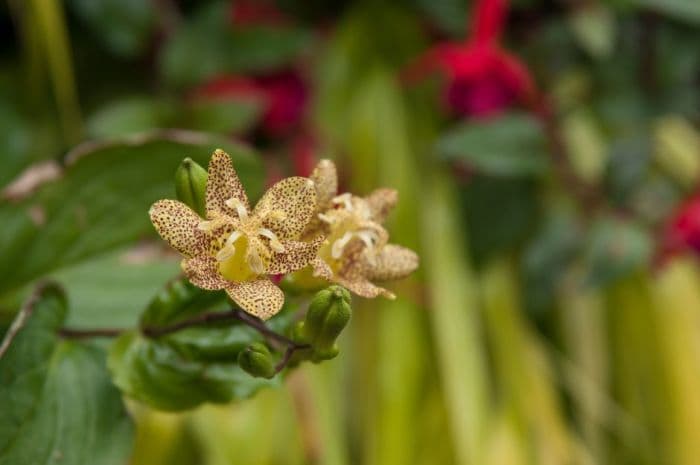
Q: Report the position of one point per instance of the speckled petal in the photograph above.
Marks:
(393, 262)
(223, 184)
(260, 297)
(325, 178)
(296, 256)
(364, 288)
(286, 207)
(321, 269)
(177, 224)
(203, 272)
(381, 202)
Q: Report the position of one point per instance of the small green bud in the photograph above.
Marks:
(257, 361)
(191, 185)
(329, 312)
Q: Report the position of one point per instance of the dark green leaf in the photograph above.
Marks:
(15, 142)
(547, 256)
(155, 372)
(209, 45)
(178, 301)
(57, 401)
(499, 214)
(512, 145)
(124, 26)
(102, 201)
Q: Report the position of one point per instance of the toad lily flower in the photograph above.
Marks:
(234, 248)
(356, 250)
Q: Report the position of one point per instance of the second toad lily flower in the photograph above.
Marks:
(234, 248)
(356, 250)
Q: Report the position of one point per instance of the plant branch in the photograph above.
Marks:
(70, 333)
(233, 314)
(588, 196)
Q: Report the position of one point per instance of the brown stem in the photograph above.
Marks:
(234, 314)
(287, 357)
(69, 333)
(588, 196)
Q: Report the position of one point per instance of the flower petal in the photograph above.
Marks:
(203, 272)
(177, 224)
(393, 262)
(325, 178)
(223, 184)
(296, 256)
(260, 297)
(364, 288)
(321, 269)
(286, 207)
(381, 202)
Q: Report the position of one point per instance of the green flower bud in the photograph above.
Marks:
(257, 361)
(329, 312)
(191, 184)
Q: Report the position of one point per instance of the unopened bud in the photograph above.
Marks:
(329, 312)
(191, 185)
(257, 361)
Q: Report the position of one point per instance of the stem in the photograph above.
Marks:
(234, 314)
(69, 333)
(588, 196)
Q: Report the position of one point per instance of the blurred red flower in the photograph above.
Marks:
(283, 96)
(683, 230)
(482, 78)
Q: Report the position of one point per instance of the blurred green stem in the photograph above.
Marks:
(455, 319)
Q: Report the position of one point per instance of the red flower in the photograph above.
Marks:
(683, 231)
(482, 78)
(283, 96)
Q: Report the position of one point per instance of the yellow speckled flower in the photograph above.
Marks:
(356, 250)
(234, 248)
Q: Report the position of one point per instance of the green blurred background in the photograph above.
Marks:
(550, 321)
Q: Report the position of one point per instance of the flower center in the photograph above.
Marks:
(348, 222)
(242, 247)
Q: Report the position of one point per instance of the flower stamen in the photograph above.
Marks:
(339, 245)
(275, 244)
(235, 204)
(345, 200)
(255, 262)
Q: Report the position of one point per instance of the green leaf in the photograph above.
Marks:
(155, 372)
(124, 26)
(209, 45)
(226, 116)
(684, 10)
(128, 115)
(57, 401)
(15, 142)
(113, 289)
(178, 301)
(499, 214)
(512, 145)
(102, 200)
(547, 256)
(615, 248)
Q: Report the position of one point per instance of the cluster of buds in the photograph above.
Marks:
(300, 226)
